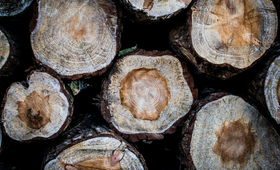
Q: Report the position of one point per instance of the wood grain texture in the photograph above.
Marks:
(39, 110)
(4, 49)
(77, 37)
(227, 132)
(13, 7)
(180, 86)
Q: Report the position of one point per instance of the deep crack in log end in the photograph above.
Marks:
(235, 143)
(34, 110)
(145, 93)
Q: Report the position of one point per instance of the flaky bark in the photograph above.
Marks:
(92, 146)
(13, 7)
(154, 10)
(37, 109)
(77, 38)
(225, 37)
(226, 132)
(147, 94)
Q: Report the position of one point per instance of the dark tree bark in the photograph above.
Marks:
(147, 94)
(223, 38)
(91, 145)
(225, 131)
(78, 38)
(37, 109)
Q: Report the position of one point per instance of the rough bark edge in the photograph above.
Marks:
(18, 15)
(146, 137)
(86, 129)
(187, 130)
(180, 37)
(256, 87)
(141, 17)
(64, 89)
(119, 29)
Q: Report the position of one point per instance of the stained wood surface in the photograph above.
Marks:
(238, 137)
(13, 7)
(39, 110)
(147, 94)
(226, 36)
(76, 38)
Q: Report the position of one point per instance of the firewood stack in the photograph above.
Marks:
(96, 98)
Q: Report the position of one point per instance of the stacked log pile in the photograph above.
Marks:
(139, 84)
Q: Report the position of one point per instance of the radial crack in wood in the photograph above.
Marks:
(76, 38)
(41, 111)
(13, 7)
(227, 132)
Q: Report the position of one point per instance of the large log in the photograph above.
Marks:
(222, 38)
(37, 109)
(154, 10)
(13, 7)
(77, 38)
(91, 145)
(147, 94)
(225, 131)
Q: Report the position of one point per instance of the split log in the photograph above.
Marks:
(91, 145)
(222, 38)
(13, 7)
(264, 87)
(38, 109)
(147, 94)
(77, 38)
(227, 132)
(154, 10)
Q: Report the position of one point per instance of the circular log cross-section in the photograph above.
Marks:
(156, 9)
(76, 38)
(92, 146)
(40, 111)
(13, 7)
(227, 35)
(147, 94)
(272, 89)
(229, 133)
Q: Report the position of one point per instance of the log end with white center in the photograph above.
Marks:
(226, 36)
(147, 94)
(92, 146)
(37, 109)
(77, 38)
(227, 132)
(13, 7)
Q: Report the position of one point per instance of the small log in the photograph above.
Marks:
(222, 38)
(225, 131)
(91, 145)
(154, 10)
(12, 7)
(264, 87)
(77, 38)
(38, 109)
(147, 94)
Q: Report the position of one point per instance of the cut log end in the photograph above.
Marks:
(4, 49)
(147, 93)
(96, 153)
(12, 7)
(83, 36)
(232, 31)
(238, 137)
(40, 111)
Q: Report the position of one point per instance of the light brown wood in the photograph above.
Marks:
(77, 37)
(39, 111)
(4, 49)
